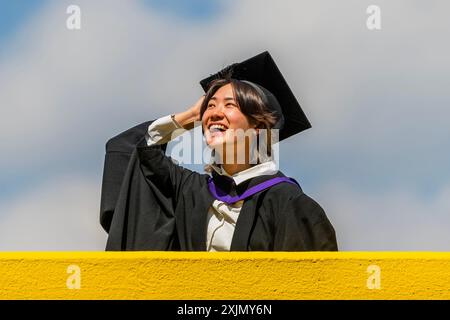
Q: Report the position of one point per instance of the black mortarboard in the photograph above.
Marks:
(262, 71)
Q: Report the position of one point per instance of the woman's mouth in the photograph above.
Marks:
(217, 129)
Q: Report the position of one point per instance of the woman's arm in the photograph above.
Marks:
(168, 128)
(187, 118)
(156, 166)
(117, 162)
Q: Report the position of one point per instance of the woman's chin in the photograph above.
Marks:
(215, 142)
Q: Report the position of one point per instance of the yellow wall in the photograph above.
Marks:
(169, 275)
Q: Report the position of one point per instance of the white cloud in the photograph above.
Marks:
(59, 215)
(399, 220)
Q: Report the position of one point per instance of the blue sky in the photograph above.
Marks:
(375, 158)
(196, 10)
(15, 13)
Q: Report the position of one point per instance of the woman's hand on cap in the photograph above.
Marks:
(187, 118)
(195, 109)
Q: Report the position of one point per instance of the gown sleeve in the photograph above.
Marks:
(302, 225)
(119, 150)
(132, 210)
(158, 168)
(170, 178)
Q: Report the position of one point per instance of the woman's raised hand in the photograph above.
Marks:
(195, 109)
(188, 117)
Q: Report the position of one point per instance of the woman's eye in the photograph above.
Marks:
(210, 105)
(230, 105)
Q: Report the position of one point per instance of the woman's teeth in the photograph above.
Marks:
(217, 128)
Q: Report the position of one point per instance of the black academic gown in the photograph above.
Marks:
(163, 206)
(136, 215)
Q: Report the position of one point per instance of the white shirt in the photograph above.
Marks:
(221, 217)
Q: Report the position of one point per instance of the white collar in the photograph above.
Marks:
(265, 168)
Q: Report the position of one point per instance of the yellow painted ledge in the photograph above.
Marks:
(258, 275)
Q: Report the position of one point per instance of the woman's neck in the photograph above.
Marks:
(234, 164)
(232, 169)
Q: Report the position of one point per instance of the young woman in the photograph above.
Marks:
(242, 203)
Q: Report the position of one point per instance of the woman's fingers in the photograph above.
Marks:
(197, 107)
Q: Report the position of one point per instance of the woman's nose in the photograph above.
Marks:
(217, 112)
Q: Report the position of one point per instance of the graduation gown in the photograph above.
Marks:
(151, 203)
(132, 210)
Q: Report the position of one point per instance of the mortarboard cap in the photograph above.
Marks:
(262, 71)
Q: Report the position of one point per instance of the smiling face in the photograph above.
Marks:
(222, 114)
